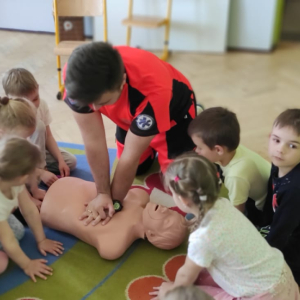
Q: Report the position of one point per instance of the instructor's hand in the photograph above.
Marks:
(99, 209)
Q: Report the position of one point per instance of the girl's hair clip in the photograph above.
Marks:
(203, 197)
(176, 178)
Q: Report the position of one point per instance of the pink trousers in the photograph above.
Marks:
(285, 289)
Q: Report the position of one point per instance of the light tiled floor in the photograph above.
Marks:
(257, 86)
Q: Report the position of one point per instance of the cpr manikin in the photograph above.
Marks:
(65, 202)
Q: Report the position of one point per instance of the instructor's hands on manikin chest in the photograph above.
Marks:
(100, 209)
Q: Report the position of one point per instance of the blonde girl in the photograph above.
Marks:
(18, 117)
(18, 159)
(223, 241)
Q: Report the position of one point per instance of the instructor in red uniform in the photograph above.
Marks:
(151, 103)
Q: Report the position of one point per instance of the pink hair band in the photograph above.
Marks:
(176, 178)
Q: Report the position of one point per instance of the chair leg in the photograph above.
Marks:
(167, 32)
(61, 86)
(104, 21)
(128, 36)
(165, 54)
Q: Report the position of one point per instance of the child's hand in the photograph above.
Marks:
(37, 267)
(50, 246)
(37, 202)
(38, 194)
(48, 178)
(63, 168)
(160, 292)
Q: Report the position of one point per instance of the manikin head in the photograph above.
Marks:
(164, 228)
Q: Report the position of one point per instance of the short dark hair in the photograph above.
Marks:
(217, 126)
(93, 69)
(289, 118)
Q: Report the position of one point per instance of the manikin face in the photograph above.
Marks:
(160, 221)
(284, 147)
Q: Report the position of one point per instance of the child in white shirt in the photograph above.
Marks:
(18, 159)
(20, 82)
(223, 241)
(18, 117)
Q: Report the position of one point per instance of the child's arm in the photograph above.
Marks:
(185, 276)
(11, 246)
(241, 207)
(32, 217)
(285, 219)
(47, 177)
(238, 192)
(33, 185)
(52, 147)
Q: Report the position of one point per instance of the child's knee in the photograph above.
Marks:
(16, 226)
(71, 161)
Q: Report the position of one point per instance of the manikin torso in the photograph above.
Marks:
(65, 202)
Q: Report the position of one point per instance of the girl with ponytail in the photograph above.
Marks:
(239, 263)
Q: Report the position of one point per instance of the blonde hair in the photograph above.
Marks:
(18, 82)
(18, 157)
(194, 177)
(187, 293)
(16, 113)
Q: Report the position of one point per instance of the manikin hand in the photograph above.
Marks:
(100, 208)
